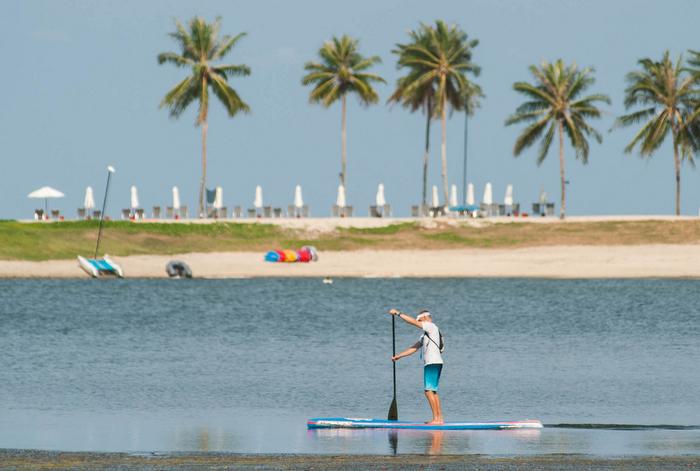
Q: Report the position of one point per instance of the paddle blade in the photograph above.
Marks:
(393, 412)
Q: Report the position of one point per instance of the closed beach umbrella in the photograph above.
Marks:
(543, 197)
(380, 200)
(453, 195)
(340, 200)
(46, 192)
(134, 197)
(488, 194)
(436, 199)
(219, 198)
(258, 203)
(508, 200)
(470, 194)
(176, 199)
(89, 201)
(298, 200)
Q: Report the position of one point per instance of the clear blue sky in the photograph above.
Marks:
(81, 88)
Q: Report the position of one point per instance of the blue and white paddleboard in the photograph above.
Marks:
(345, 422)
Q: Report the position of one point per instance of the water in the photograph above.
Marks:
(239, 365)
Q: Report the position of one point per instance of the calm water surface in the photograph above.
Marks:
(239, 365)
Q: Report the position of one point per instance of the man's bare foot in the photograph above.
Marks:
(435, 422)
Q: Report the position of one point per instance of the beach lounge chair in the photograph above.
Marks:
(267, 211)
(223, 212)
(156, 212)
(39, 214)
(305, 211)
(55, 214)
(252, 213)
(81, 213)
(169, 214)
(501, 209)
(126, 213)
(277, 212)
(373, 212)
(536, 209)
(96, 214)
(139, 213)
(184, 213)
(291, 211)
(515, 210)
(549, 209)
(386, 211)
(237, 212)
(335, 211)
(347, 211)
(414, 211)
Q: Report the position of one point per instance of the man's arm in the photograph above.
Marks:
(406, 318)
(409, 351)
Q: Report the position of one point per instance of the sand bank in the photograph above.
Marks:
(642, 261)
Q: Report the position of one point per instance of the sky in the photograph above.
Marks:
(81, 88)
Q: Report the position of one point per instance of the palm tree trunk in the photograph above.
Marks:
(445, 189)
(343, 138)
(562, 212)
(203, 182)
(426, 154)
(677, 164)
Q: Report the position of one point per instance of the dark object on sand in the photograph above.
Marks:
(178, 269)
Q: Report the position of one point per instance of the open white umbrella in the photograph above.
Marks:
(176, 199)
(380, 199)
(134, 198)
(89, 202)
(46, 192)
(298, 200)
(508, 200)
(258, 202)
(436, 199)
(470, 194)
(453, 195)
(488, 194)
(340, 199)
(219, 198)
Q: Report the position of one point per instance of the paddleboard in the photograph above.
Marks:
(346, 422)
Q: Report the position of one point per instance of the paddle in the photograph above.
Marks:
(393, 412)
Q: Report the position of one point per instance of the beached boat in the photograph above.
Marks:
(97, 267)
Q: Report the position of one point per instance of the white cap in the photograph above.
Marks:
(422, 315)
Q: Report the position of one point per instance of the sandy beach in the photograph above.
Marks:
(641, 261)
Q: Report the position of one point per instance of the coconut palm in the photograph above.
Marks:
(201, 47)
(555, 106)
(667, 94)
(342, 70)
(439, 58)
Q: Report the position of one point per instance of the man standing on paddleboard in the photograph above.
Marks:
(429, 343)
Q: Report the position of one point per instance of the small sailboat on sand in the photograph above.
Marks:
(105, 266)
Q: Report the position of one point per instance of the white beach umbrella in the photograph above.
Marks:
(380, 199)
(488, 194)
(219, 198)
(340, 199)
(298, 200)
(89, 201)
(46, 192)
(176, 199)
(453, 195)
(436, 199)
(134, 197)
(258, 202)
(508, 200)
(470, 194)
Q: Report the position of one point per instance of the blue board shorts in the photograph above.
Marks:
(431, 376)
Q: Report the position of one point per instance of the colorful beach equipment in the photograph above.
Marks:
(305, 254)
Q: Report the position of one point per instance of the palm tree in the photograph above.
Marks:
(439, 59)
(668, 94)
(420, 98)
(341, 70)
(554, 106)
(201, 46)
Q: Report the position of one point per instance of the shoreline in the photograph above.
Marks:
(39, 459)
(569, 262)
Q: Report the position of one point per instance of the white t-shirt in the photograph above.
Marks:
(430, 351)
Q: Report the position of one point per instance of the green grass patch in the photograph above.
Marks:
(385, 230)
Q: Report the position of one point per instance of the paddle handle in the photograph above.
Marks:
(393, 347)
